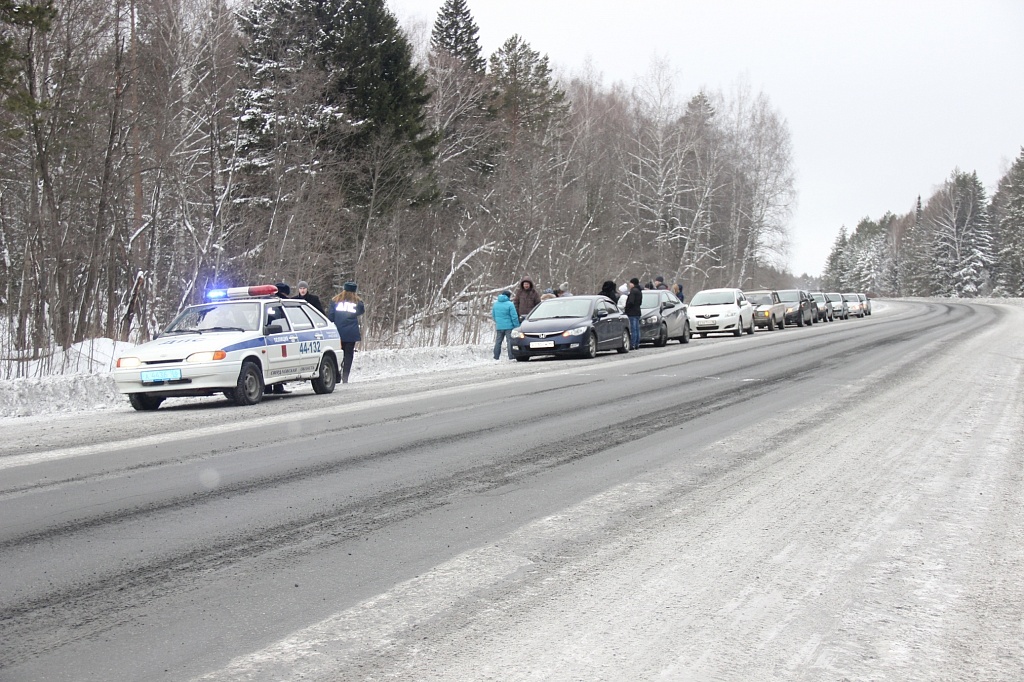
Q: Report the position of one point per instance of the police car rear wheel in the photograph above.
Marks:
(326, 377)
(249, 389)
(143, 402)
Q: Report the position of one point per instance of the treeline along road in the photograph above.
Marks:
(839, 501)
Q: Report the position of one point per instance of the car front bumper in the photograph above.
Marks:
(199, 378)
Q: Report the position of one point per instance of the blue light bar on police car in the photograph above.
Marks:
(241, 292)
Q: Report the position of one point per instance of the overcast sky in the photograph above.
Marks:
(883, 98)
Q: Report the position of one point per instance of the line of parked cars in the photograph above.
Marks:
(586, 325)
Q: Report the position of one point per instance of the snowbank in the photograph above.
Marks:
(94, 389)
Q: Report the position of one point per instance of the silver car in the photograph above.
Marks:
(840, 310)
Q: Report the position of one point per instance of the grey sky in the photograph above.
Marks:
(883, 98)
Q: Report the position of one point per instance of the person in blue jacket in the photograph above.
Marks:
(505, 320)
(345, 310)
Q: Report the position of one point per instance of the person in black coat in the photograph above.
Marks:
(309, 298)
(609, 291)
(634, 303)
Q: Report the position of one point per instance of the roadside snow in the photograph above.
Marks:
(92, 388)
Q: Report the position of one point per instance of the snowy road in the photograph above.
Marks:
(839, 502)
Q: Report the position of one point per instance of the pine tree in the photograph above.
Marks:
(456, 34)
(962, 236)
(528, 100)
(1008, 215)
(834, 277)
(15, 18)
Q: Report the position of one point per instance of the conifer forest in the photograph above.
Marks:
(152, 149)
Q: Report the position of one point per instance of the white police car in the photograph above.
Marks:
(241, 340)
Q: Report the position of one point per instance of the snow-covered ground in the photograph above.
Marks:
(94, 389)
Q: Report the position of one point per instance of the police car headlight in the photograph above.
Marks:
(128, 363)
(516, 334)
(207, 356)
(578, 331)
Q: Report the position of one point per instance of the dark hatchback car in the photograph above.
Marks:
(800, 307)
(571, 325)
(663, 317)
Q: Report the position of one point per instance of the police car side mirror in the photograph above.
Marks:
(273, 329)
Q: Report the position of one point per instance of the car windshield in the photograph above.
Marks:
(835, 297)
(759, 299)
(791, 296)
(217, 317)
(561, 307)
(713, 298)
(851, 297)
(819, 297)
(652, 299)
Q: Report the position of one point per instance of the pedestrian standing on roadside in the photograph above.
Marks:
(309, 298)
(608, 291)
(345, 310)
(677, 289)
(526, 298)
(505, 320)
(659, 282)
(634, 302)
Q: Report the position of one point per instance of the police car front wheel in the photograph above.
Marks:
(249, 389)
(144, 402)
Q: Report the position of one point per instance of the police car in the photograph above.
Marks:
(241, 340)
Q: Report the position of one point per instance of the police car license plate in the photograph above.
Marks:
(542, 344)
(153, 375)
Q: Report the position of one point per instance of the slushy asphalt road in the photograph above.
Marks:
(784, 506)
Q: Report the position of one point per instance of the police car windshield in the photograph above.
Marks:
(217, 317)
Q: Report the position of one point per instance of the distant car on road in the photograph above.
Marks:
(720, 310)
(854, 304)
(824, 306)
(865, 303)
(839, 308)
(798, 307)
(571, 325)
(769, 310)
(663, 317)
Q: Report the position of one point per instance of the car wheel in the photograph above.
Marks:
(662, 339)
(685, 338)
(326, 376)
(739, 328)
(144, 402)
(800, 321)
(249, 388)
(771, 324)
(624, 348)
(591, 349)
(750, 329)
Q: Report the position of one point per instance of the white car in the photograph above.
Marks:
(242, 340)
(720, 310)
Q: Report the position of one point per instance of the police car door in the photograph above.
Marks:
(310, 347)
(282, 345)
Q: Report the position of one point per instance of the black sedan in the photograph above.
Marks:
(571, 325)
(800, 307)
(663, 317)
